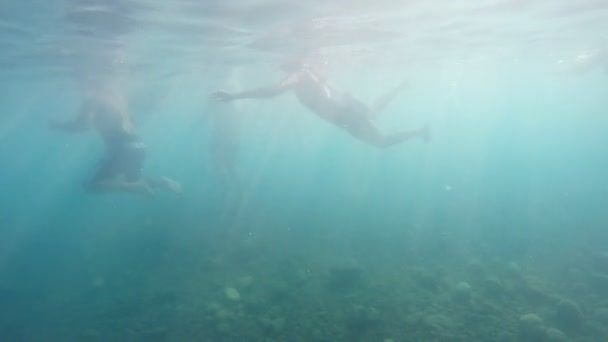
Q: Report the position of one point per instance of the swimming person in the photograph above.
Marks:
(120, 171)
(340, 109)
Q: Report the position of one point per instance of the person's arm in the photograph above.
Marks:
(78, 124)
(259, 93)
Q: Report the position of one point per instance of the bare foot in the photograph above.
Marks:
(172, 185)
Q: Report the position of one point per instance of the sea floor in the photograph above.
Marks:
(274, 284)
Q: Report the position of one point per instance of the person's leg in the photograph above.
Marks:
(368, 132)
(106, 172)
(380, 104)
(164, 183)
(107, 179)
(132, 165)
(423, 133)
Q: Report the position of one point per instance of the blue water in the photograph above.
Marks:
(495, 230)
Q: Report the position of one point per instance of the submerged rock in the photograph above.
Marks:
(493, 287)
(438, 323)
(555, 335)
(596, 330)
(600, 261)
(413, 318)
(365, 314)
(514, 269)
(232, 294)
(535, 291)
(601, 315)
(274, 325)
(245, 281)
(599, 282)
(505, 337)
(475, 268)
(568, 316)
(530, 328)
(462, 293)
(427, 279)
(345, 276)
(224, 315)
(362, 318)
(223, 328)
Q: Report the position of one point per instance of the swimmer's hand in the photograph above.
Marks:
(222, 96)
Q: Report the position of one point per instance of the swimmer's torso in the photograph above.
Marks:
(314, 92)
(112, 123)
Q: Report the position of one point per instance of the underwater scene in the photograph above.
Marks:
(276, 170)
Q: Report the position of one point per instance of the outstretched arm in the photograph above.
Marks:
(78, 124)
(259, 93)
